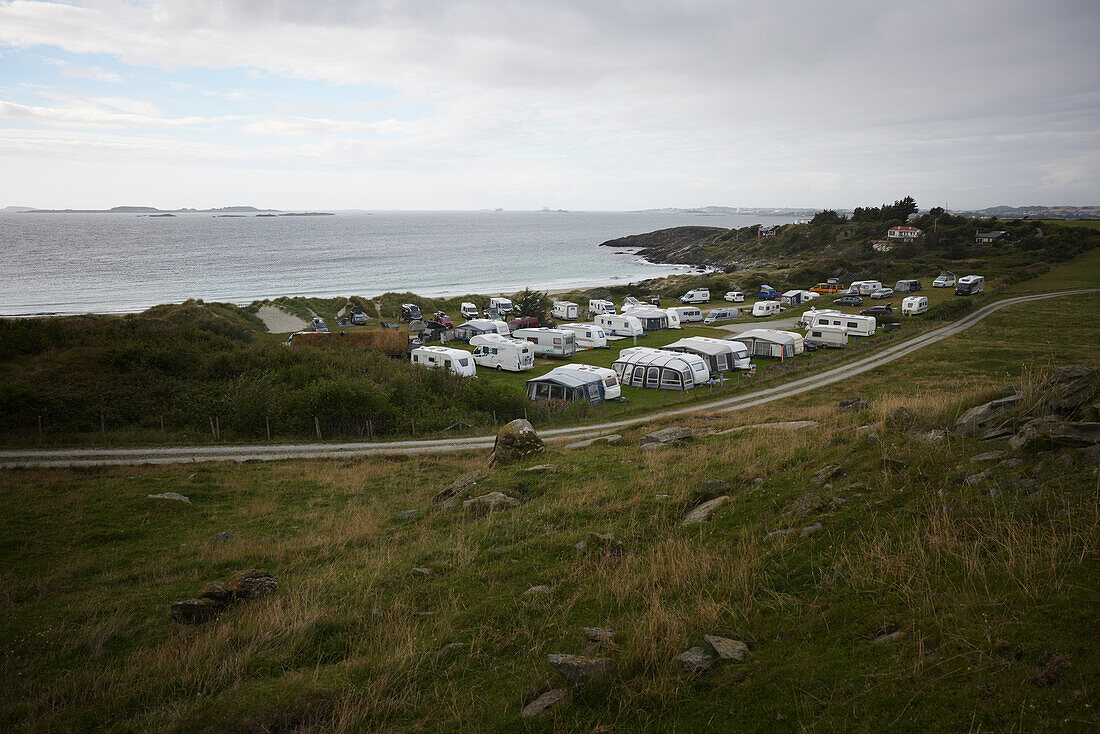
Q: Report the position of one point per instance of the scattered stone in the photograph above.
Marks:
(665, 436)
(453, 493)
(703, 512)
(420, 570)
(251, 584)
(837, 502)
(613, 439)
(450, 647)
(853, 405)
(988, 456)
(804, 504)
(197, 611)
(215, 590)
(826, 473)
(784, 425)
(1051, 431)
(936, 435)
(492, 502)
(224, 537)
(406, 515)
(662, 496)
(169, 496)
(603, 539)
(810, 530)
(548, 468)
(1013, 463)
(599, 635)
(422, 615)
(777, 534)
(539, 590)
(710, 489)
(854, 486)
(1070, 389)
(889, 637)
(726, 648)
(696, 659)
(516, 440)
(902, 417)
(975, 420)
(581, 669)
(544, 702)
(978, 478)
(580, 545)
(376, 612)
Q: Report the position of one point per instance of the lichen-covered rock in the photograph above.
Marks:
(581, 669)
(251, 584)
(806, 503)
(703, 512)
(169, 496)
(491, 502)
(599, 635)
(726, 648)
(216, 590)
(710, 489)
(826, 473)
(852, 405)
(901, 418)
(695, 659)
(665, 436)
(544, 702)
(516, 440)
(453, 493)
(978, 418)
(1050, 431)
(197, 611)
(1070, 389)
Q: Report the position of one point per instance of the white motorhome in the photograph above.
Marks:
(468, 310)
(765, 308)
(502, 305)
(969, 285)
(588, 336)
(611, 388)
(722, 314)
(914, 305)
(698, 295)
(735, 297)
(853, 324)
(597, 306)
(457, 361)
(826, 336)
(549, 342)
(501, 353)
(688, 314)
(721, 355)
(622, 325)
(864, 287)
(565, 310)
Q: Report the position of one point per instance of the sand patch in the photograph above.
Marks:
(279, 321)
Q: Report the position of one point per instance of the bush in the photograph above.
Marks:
(950, 310)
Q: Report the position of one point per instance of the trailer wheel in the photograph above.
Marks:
(500, 368)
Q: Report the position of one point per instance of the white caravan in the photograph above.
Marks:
(657, 368)
(722, 314)
(468, 310)
(864, 287)
(854, 325)
(502, 305)
(457, 361)
(826, 336)
(597, 306)
(624, 325)
(549, 342)
(721, 355)
(808, 317)
(673, 318)
(969, 285)
(698, 295)
(797, 339)
(688, 314)
(765, 308)
(588, 336)
(565, 310)
(501, 353)
(914, 305)
(611, 388)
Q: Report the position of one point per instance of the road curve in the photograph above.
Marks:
(22, 458)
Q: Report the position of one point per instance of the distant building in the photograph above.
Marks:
(770, 231)
(988, 238)
(903, 233)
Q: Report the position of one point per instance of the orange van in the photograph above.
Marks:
(826, 288)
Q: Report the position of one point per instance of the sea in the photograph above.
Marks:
(74, 263)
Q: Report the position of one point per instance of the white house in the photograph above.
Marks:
(903, 233)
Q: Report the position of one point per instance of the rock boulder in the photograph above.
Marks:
(516, 440)
(665, 436)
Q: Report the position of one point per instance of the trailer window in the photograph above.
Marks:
(672, 378)
(653, 377)
(639, 376)
(557, 340)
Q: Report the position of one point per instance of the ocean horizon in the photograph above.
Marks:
(75, 263)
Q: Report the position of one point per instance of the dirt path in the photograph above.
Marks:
(279, 321)
(107, 457)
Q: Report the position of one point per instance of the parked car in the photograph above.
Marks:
(357, 316)
(946, 279)
(444, 319)
(319, 324)
(848, 301)
(735, 297)
(882, 293)
(410, 312)
(880, 310)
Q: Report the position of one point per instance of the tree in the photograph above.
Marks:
(532, 303)
(829, 216)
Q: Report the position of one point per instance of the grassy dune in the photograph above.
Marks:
(993, 586)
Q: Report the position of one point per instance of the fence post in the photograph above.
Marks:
(267, 422)
(163, 433)
(213, 433)
(40, 428)
(413, 422)
(103, 427)
(317, 425)
(494, 418)
(370, 429)
(218, 426)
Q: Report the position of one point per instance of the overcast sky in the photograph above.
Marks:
(592, 104)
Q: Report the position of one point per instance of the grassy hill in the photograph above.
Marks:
(991, 584)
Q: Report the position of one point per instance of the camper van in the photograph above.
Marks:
(765, 308)
(588, 336)
(410, 312)
(825, 336)
(970, 285)
(864, 287)
(597, 306)
(722, 314)
(688, 314)
(735, 297)
(767, 293)
(624, 325)
(566, 310)
(501, 353)
(611, 388)
(457, 361)
(854, 325)
(468, 310)
(698, 295)
(946, 279)
(502, 305)
(914, 305)
(549, 342)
